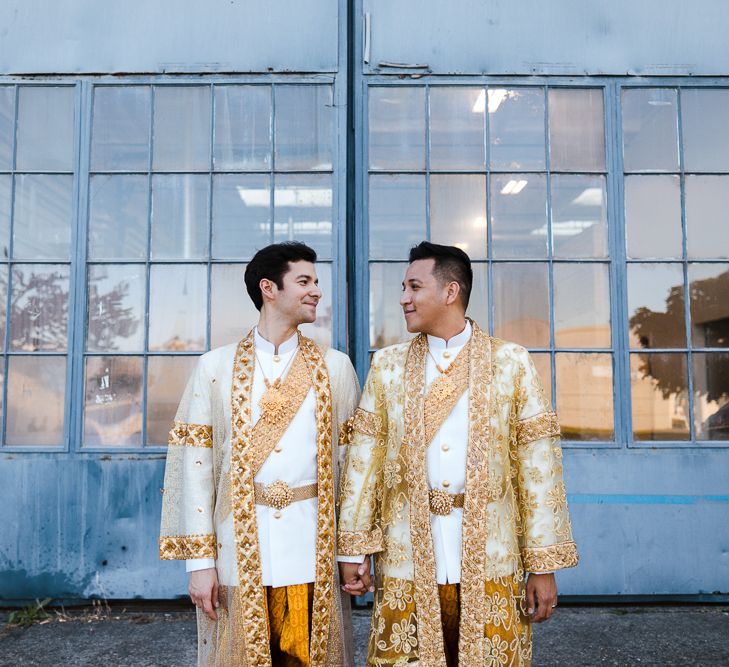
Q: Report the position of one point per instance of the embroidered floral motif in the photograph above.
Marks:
(496, 651)
(398, 594)
(391, 474)
(191, 435)
(554, 557)
(184, 547)
(366, 423)
(359, 543)
(544, 425)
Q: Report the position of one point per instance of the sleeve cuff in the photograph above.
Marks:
(350, 559)
(548, 559)
(359, 542)
(187, 547)
(194, 564)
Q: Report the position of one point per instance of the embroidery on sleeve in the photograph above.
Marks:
(544, 425)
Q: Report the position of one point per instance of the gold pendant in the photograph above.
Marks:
(273, 405)
(441, 389)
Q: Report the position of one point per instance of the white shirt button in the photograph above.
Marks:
(277, 514)
(277, 449)
(444, 447)
(446, 355)
(276, 358)
(446, 483)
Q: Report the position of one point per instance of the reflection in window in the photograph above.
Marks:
(519, 215)
(585, 395)
(707, 203)
(659, 389)
(457, 128)
(5, 197)
(650, 129)
(576, 129)
(113, 402)
(656, 306)
(516, 128)
(115, 308)
(166, 380)
(521, 303)
(711, 395)
(709, 290)
(7, 120)
(579, 216)
(397, 202)
(396, 138)
(458, 212)
(653, 216)
(387, 324)
(705, 130)
(36, 400)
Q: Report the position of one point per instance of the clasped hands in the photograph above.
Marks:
(355, 578)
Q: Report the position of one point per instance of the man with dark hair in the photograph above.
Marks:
(252, 473)
(454, 482)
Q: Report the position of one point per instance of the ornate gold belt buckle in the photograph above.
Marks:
(441, 502)
(278, 495)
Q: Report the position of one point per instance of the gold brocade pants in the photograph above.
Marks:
(450, 616)
(289, 624)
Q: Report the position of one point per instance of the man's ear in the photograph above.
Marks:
(268, 289)
(453, 292)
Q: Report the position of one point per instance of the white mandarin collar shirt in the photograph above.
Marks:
(284, 561)
(446, 458)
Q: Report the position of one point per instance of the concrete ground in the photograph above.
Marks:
(576, 636)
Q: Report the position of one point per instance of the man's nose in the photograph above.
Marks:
(404, 298)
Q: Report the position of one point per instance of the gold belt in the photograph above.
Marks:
(280, 495)
(442, 502)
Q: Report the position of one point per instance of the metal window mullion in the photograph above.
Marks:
(272, 170)
(148, 270)
(209, 303)
(426, 113)
(362, 259)
(684, 262)
(8, 296)
(489, 230)
(550, 277)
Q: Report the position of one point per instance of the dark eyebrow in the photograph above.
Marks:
(307, 276)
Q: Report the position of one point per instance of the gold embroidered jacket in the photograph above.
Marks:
(515, 514)
(209, 501)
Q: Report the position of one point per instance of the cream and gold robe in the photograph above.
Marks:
(209, 505)
(515, 516)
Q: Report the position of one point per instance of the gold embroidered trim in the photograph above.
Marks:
(438, 403)
(346, 432)
(471, 649)
(191, 435)
(555, 557)
(184, 547)
(366, 423)
(323, 609)
(544, 425)
(359, 543)
(267, 432)
(251, 593)
(430, 631)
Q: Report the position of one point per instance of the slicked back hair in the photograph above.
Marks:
(451, 264)
(272, 263)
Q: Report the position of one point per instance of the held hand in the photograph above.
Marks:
(355, 577)
(541, 592)
(203, 590)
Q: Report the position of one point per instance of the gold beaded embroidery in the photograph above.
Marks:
(184, 547)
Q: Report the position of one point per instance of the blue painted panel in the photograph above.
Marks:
(559, 37)
(168, 36)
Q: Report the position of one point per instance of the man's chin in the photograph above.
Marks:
(412, 327)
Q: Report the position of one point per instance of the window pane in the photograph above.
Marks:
(387, 324)
(519, 215)
(303, 211)
(5, 197)
(579, 216)
(521, 303)
(707, 228)
(711, 395)
(304, 127)
(7, 122)
(242, 127)
(118, 217)
(182, 117)
(478, 304)
(457, 128)
(650, 129)
(241, 215)
(709, 290)
(397, 128)
(585, 395)
(166, 380)
(180, 216)
(458, 212)
(39, 307)
(656, 305)
(43, 209)
(653, 216)
(543, 364)
(321, 330)
(516, 128)
(3, 299)
(120, 136)
(116, 308)
(397, 215)
(113, 402)
(576, 129)
(705, 129)
(178, 307)
(232, 312)
(581, 305)
(45, 128)
(36, 399)
(659, 389)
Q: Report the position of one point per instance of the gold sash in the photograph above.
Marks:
(269, 429)
(444, 392)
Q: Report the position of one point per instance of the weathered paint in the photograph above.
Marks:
(650, 37)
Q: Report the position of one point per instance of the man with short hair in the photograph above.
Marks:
(252, 469)
(454, 481)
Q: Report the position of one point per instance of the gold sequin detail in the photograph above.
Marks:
(184, 547)
(554, 557)
(544, 425)
(191, 435)
(359, 543)
(366, 423)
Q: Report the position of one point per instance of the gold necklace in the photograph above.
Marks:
(442, 388)
(273, 403)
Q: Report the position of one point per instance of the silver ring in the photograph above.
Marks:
(553, 606)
